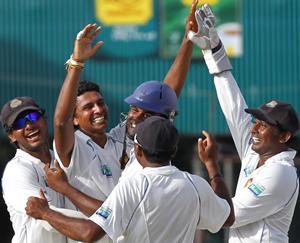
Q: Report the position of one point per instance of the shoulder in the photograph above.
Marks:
(18, 169)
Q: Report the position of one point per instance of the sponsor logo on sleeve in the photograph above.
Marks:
(256, 188)
(104, 212)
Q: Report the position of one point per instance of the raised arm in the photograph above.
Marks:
(65, 107)
(207, 152)
(74, 228)
(176, 75)
(229, 95)
(57, 180)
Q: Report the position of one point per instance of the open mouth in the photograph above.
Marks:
(98, 120)
(256, 140)
(33, 135)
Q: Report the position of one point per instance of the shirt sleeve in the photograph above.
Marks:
(118, 132)
(76, 156)
(214, 210)
(265, 194)
(233, 104)
(19, 182)
(118, 209)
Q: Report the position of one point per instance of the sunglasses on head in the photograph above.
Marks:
(32, 117)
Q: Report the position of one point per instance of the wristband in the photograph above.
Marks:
(71, 63)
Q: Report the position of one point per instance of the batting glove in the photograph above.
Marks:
(208, 40)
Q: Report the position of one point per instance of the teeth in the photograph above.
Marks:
(98, 119)
(133, 125)
(32, 134)
(255, 139)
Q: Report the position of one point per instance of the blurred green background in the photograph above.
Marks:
(36, 38)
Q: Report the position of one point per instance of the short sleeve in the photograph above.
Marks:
(116, 212)
(19, 182)
(214, 210)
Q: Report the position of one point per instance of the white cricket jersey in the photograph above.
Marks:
(133, 166)
(23, 177)
(161, 204)
(265, 197)
(93, 170)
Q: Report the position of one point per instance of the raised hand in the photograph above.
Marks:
(206, 36)
(207, 149)
(83, 47)
(56, 177)
(191, 23)
(36, 207)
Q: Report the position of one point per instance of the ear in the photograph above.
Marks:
(75, 121)
(138, 150)
(285, 137)
(12, 137)
(75, 118)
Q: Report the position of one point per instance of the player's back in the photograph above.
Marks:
(169, 211)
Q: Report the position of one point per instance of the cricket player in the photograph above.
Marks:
(268, 185)
(25, 124)
(88, 155)
(148, 207)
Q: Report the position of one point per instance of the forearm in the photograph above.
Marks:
(177, 73)
(83, 202)
(63, 117)
(74, 228)
(219, 187)
(67, 97)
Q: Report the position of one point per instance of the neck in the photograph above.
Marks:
(99, 139)
(154, 164)
(264, 157)
(44, 155)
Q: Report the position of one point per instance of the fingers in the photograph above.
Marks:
(46, 167)
(90, 31)
(194, 5)
(209, 137)
(97, 46)
(207, 10)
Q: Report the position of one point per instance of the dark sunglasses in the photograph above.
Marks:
(32, 117)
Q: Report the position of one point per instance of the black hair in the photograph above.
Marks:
(159, 157)
(85, 86)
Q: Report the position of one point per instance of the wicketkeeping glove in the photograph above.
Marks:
(208, 40)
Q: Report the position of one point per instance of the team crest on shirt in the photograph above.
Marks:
(247, 171)
(106, 170)
(256, 188)
(104, 212)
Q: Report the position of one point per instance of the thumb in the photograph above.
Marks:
(201, 42)
(42, 194)
(46, 167)
(56, 164)
(191, 35)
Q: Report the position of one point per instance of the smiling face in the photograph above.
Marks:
(135, 116)
(91, 113)
(33, 137)
(268, 140)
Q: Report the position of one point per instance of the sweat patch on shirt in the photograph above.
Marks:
(104, 212)
(256, 188)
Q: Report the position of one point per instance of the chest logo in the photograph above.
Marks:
(106, 170)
